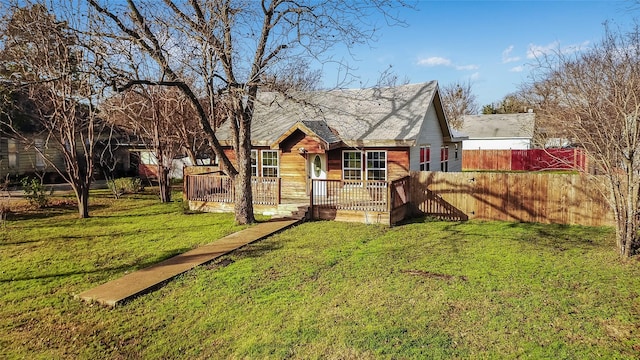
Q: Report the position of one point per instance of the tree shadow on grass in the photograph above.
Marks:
(49, 212)
(257, 249)
(557, 237)
(563, 237)
(130, 267)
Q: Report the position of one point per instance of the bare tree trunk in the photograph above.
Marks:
(81, 191)
(164, 183)
(83, 204)
(242, 182)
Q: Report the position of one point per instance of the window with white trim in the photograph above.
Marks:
(425, 158)
(444, 158)
(377, 165)
(269, 163)
(39, 149)
(457, 153)
(12, 153)
(351, 165)
(254, 162)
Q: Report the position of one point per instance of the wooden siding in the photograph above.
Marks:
(521, 197)
(367, 217)
(397, 162)
(293, 174)
(298, 140)
(293, 164)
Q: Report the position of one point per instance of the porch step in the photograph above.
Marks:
(294, 211)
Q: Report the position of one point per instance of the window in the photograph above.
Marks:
(12, 153)
(457, 155)
(254, 162)
(39, 144)
(425, 158)
(444, 158)
(269, 163)
(377, 165)
(351, 165)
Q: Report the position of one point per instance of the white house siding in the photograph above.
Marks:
(430, 134)
(455, 164)
(497, 144)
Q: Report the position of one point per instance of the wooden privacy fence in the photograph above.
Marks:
(523, 197)
(524, 160)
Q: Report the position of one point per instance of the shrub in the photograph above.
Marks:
(128, 185)
(35, 192)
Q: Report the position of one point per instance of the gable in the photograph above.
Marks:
(317, 131)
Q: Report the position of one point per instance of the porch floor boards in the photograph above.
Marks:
(117, 292)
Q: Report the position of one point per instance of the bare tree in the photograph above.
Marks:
(593, 98)
(218, 52)
(513, 103)
(458, 100)
(44, 62)
(163, 120)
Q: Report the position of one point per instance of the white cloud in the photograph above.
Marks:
(467, 67)
(440, 61)
(537, 51)
(517, 69)
(434, 61)
(475, 76)
(506, 56)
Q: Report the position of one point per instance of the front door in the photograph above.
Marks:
(318, 171)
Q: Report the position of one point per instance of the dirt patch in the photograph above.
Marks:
(431, 275)
(219, 264)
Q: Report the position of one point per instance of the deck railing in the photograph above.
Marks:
(219, 188)
(383, 196)
(360, 195)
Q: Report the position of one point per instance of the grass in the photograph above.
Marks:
(426, 289)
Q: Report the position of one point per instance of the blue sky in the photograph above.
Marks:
(490, 43)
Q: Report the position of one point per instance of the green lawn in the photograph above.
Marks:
(320, 290)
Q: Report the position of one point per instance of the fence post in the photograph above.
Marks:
(389, 198)
(311, 198)
(279, 191)
(185, 187)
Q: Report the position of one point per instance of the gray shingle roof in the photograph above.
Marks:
(373, 116)
(499, 126)
(322, 130)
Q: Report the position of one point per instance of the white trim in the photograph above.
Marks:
(385, 168)
(424, 165)
(351, 168)
(254, 166)
(263, 166)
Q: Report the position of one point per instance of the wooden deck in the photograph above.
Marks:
(382, 202)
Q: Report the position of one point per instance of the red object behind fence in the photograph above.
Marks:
(548, 159)
(525, 160)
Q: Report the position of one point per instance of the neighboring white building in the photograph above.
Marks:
(498, 131)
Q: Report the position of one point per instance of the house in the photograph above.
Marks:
(18, 159)
(498, 131)
(346, 153)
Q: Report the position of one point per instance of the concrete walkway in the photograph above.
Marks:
(118, 291)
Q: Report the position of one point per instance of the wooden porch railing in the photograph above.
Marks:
(219, 188)
(359, 195)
